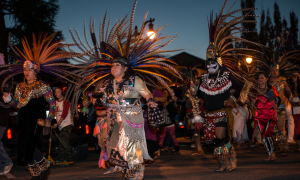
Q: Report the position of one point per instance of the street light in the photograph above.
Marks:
(249, 60)
(150, 33)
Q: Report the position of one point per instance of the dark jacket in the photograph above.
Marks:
(172, 112)
(4, 113)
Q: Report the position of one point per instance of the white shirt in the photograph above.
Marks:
(59, 111)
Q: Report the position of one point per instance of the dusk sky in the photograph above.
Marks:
(186, 17)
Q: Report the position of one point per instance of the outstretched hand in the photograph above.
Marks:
(6, 97)
(152, 104)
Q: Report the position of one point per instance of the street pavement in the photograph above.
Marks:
(183, 166)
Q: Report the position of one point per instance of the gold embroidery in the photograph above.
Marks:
(25, 92)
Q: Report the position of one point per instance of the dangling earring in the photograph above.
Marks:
(35, 79)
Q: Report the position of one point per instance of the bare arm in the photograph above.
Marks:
(161, 99)
(101, 113)
(287, 89)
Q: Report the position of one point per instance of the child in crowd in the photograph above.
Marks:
(64, 123)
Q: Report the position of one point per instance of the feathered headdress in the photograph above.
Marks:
(142, 54)
(118, 30)
(223, 36)
(44, 55)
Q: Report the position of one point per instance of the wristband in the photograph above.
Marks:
(233, 98)
(150, 99)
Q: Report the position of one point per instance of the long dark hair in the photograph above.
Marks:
(298, 86)
(129, 71)
(169, 96)
(266, 76)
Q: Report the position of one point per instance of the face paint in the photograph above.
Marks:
(212, 67)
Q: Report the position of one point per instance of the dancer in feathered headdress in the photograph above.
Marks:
(219, 88)
(118, 30)
(117, 66)
(193, 104)
(282, 65)
(140, 53)
(31, 94)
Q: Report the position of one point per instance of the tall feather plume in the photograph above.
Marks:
(46, 53)
(143, 54)
(127, 47)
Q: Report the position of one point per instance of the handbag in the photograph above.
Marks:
(155, 117)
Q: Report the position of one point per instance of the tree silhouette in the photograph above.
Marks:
(294, 24)
(277, 20)
(262, 33)
(28, 16)
(269, 28)
(284, 24)
(249, 29)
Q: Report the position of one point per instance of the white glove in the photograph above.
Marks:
(6, 98)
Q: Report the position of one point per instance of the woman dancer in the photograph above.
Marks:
(29, 98)
(127, 144)
(31, 94)
(266, 113)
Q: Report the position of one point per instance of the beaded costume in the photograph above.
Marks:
(31, 99)
(194, 102)
(265, 118)
(126, 143)
(216, 85)
(126, 137)
(285, 56)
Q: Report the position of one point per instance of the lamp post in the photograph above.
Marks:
(150, 33)
(249, 60)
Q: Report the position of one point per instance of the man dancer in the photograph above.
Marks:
(284, 109)
(215, 88)
(219, 88)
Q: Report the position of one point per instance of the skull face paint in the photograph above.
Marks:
(212, 67)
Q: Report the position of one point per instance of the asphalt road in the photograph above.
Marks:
(183, 166)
